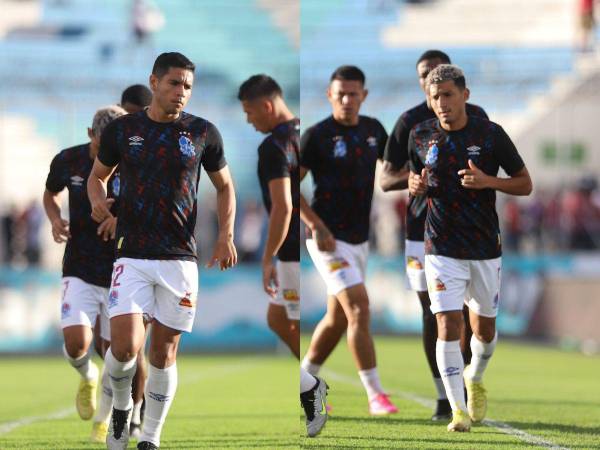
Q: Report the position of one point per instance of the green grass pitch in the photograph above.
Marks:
(548, 398)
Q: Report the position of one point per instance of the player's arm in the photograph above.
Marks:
(417, 177)
(320, 233)
(96, 189)
(60, 226)
(224, 253)
(517, 184)
(393, 178)
(395, 172)
(280, 192)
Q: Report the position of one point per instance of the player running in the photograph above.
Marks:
(341, 152)
(394, 176)
(278, 175)
(159, 152)
(87, 266)
(454, 161)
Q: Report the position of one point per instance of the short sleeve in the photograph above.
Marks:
(506, 153)
(272, 162)
(213, 158)
(56, 180)
(109, 148)
(308, 149)
(415, 163)
(382, 139)
(396, 149)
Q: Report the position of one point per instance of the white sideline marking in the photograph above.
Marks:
(428, 403)
(213, 372)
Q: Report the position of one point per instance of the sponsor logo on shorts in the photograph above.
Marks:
(113, 299)
(451, 371)
(65, 310)
(438, 285)
(158, 397)
(187, 301)
(291, 295)
(414, 263)
(337, 264)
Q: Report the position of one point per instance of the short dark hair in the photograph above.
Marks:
(258, 86)
(171, 59)
(138, 95)
(348, 73)
(434, 54)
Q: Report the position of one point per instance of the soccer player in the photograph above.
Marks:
(454, 161)
(278, 174)
(135, 98)
(341, 152)
(159, 152)
(394, 176)
(87, 266)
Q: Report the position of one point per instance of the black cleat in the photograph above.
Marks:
(443, 411)
(118, 430)
(145, 445)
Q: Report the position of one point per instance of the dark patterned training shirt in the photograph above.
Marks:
(396, 152)
(278, 157)
(342, 161)
(461, 223)
(86, 256)
(160, 170)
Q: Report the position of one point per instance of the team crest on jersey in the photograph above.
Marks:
(291, 295)
(136, 140)
(65, 310)
(187, 301)
(414, 263)
(432, 154)
(337, 264)
(185, 145)
(339, 149)
(76, 180)
(116, 185)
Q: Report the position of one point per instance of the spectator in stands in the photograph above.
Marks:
(146, 19)
(8, 235)
(587, 24)
(34, 217)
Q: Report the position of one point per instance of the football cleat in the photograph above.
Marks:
(443, 411)
(118, 431)
(314, 403)
(86, 397)
(145, 445)
(476, 400)
(380, 405)
(99, 431)
(135, 430)
(461, 421)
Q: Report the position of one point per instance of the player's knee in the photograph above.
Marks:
(75, 348)
(164, 356)
(485, 334)
(123, 351)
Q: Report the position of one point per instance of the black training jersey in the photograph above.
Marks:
(342, 161)
(160, 170)
(86, 256)
(461, 223)
(278, 157)
(396, 152)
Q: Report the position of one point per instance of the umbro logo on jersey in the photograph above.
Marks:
(136, 140)
(76, 180)
(473, 150)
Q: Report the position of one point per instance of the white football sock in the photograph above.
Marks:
(311, 368)
(105, 403)
(439, 387)
(160, 390)
(450, 364)
(370, 380)
(136, 415)
(121, 374)
(482, 352)
(307, 381)
(84, 365)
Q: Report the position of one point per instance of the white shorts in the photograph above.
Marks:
(343, 268)
(414, 258)
(454, 282)
(81, 303)
(164, 290)
(288, 295)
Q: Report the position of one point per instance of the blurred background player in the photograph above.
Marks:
(454, 160)
(278, 174)
(155, 272)
(341, 152)
(87, 265)
(394, 176)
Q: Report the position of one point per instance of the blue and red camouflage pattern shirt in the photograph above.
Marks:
(160, 166)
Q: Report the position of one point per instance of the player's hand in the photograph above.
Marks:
(269, 276)
(324, 239)
(473, 177)
(60, 230)
(108, 229)
(225, 254)
(417, 184)
(101, 209)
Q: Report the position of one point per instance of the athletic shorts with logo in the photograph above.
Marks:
(82, 303)
(414, 258)
(453, 282)
(288, 295)
(343, 268)
(164, 290)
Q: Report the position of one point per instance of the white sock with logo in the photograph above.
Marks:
(307, 381)
(371, 382)
(106, 396)
(440, 389)
(121, 374)
(450, 364)
(310, 367)
(482, 352)
(84, 365)
(160, 390)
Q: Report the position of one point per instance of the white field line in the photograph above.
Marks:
(428, 403)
